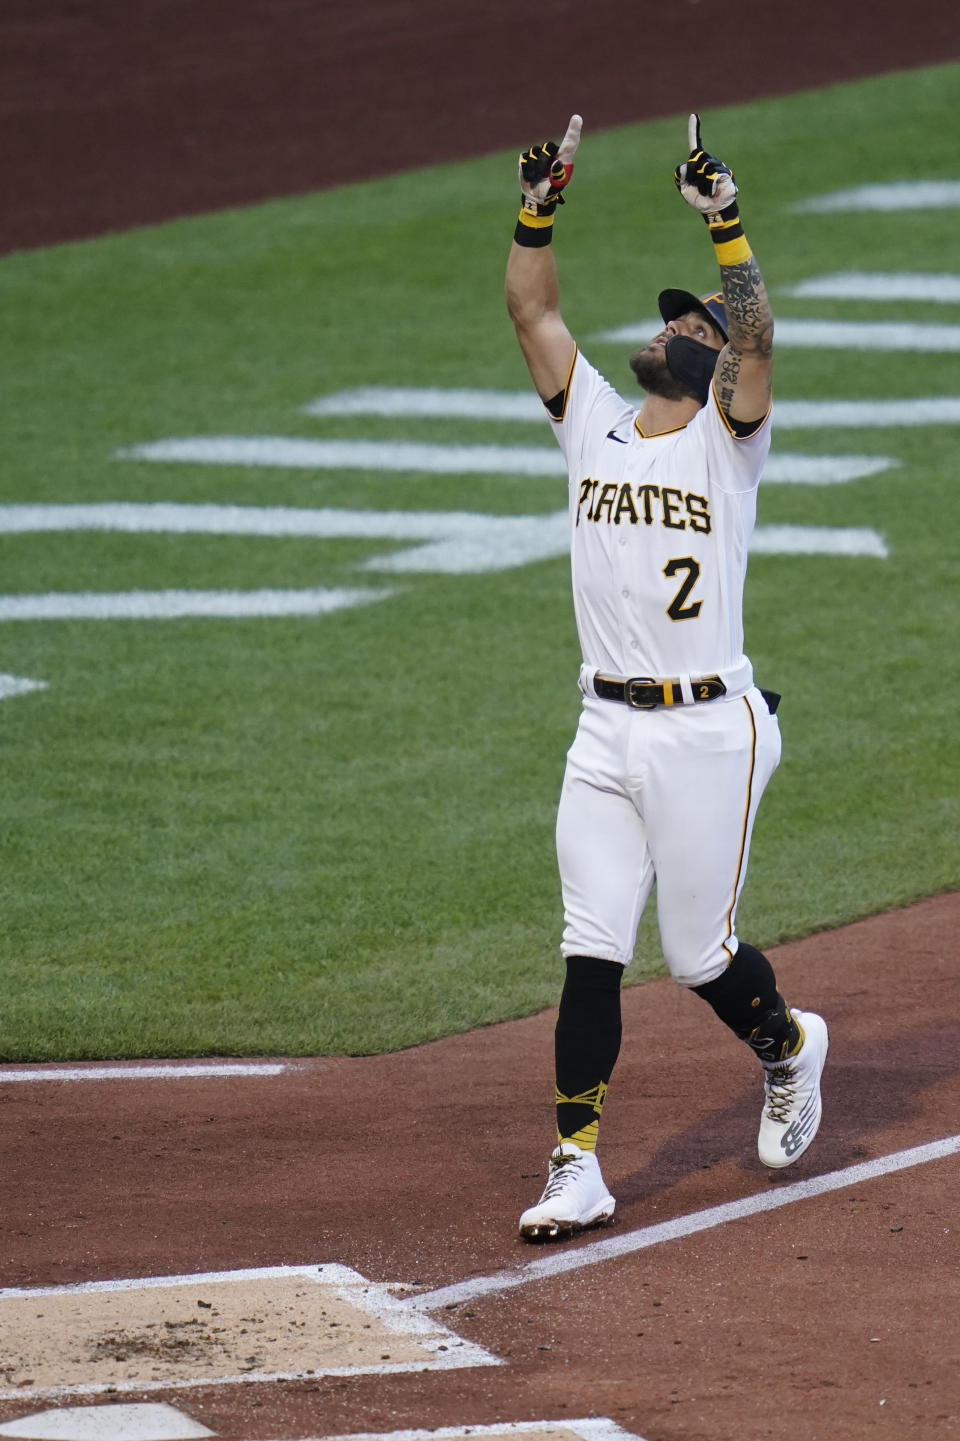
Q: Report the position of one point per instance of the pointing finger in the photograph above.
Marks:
(569, 143)
(693, 132)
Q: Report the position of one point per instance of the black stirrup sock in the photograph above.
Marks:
(746, 999)
(586, 1046)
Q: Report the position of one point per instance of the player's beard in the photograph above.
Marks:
(649, 365)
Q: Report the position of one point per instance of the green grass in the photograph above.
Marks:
(333, 835)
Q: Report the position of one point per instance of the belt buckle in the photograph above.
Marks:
(628, 692)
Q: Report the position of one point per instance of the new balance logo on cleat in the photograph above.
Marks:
(792, 1106)
(793, 1141)
(574, 1197)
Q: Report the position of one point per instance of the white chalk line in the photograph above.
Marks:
(817, 540)
(184, 604)
(591, 1428)
(939, 289)
(783, 468)
(154, 1422)
(458, 543)
(892, 196)
(292, 452)
(825, 335)
(136, 1072)
(449, 1360)
(387, 456)
(519, 405)
(272, 521)
(337, 1275)
(616, 1246)
(12, 685)
(430, 402)
(866, 414)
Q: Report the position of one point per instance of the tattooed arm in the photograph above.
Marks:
(743, 377)
(744, 374)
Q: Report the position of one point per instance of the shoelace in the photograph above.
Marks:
(780, 1085)
(568, 1164)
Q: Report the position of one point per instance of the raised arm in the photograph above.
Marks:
(532, 291)
(744, 374)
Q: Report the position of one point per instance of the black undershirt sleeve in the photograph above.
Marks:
(556, 404)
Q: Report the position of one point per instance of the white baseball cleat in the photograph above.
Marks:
(792, 1107)
(574, 1197)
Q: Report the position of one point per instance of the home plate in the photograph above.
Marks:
(144, 1421)
(164, 1332)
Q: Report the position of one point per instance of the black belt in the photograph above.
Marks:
(643, 693)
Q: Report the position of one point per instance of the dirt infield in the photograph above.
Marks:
(119, 115)
(835, 1310)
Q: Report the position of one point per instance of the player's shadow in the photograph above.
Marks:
(866, 1089)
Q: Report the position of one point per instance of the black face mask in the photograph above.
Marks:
(692, 364)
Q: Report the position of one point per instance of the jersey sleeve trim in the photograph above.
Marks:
(557, 404)
(741, 429)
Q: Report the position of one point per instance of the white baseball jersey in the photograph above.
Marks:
(659, 531)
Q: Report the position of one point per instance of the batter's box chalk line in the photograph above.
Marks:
(591, 1428)
(146, 1421)
(628, 1242)
(157, 1333)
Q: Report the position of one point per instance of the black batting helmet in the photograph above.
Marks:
(674, 303)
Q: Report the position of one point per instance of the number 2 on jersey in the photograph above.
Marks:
(678, 608)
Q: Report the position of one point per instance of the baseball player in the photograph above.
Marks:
(675, 742)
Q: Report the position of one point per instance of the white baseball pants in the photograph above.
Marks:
(667, 795)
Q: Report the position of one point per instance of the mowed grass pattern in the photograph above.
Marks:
(335, 834)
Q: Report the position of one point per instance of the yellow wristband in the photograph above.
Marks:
(726, 232)
(535, 222)
(733, 252)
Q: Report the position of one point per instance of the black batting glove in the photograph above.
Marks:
(545, 170)
(703, 180)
